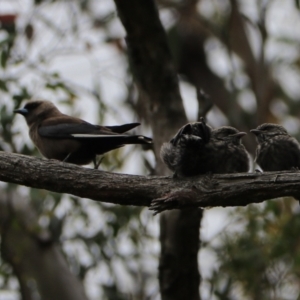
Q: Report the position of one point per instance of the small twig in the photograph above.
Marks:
(205, 103)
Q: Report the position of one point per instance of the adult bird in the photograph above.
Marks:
(198, 149)
(276, 150)
(65, 138)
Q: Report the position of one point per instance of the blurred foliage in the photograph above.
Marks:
(244, 54)
(260, 260)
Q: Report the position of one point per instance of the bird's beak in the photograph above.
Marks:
(255, 131)
(21, 111)
(239, 135)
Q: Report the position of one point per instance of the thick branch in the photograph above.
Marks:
(167, 193)
(153, 69)
(157, 81)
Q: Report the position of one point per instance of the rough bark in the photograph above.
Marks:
(159, 192)
(35, 258)
(157, 81)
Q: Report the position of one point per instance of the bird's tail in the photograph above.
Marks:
(102, 143)
(136, 139)
(114, 142)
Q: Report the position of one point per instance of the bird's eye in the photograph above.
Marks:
(32, 106)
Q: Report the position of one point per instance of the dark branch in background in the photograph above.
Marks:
(157, 81)
(258, 70)
(39, 257)
(158, 192)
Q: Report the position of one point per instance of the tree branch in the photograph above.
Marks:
(158, 192)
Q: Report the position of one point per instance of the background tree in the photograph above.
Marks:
(244, 55)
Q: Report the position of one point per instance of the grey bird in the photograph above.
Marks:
(65, 138)
(276, 150)
(198, 149)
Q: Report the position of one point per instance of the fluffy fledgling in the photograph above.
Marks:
(198, 149)
(276, 150)
(65, 138)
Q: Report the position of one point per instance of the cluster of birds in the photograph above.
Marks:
(198, 149)
(195, 149)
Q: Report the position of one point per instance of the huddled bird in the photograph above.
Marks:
(66, 138)
(276, 150)
(198, 149)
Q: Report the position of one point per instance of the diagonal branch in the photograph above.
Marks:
(158, 192)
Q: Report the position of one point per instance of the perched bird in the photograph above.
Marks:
(198, 149)
(65, 138)
(276, 150)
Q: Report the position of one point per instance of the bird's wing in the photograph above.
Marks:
(63, 130)
(71, 129)
(120, 138)
(68, 127)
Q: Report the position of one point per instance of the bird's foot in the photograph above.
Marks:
(97, 164)
(66, 158)
(175, 175)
